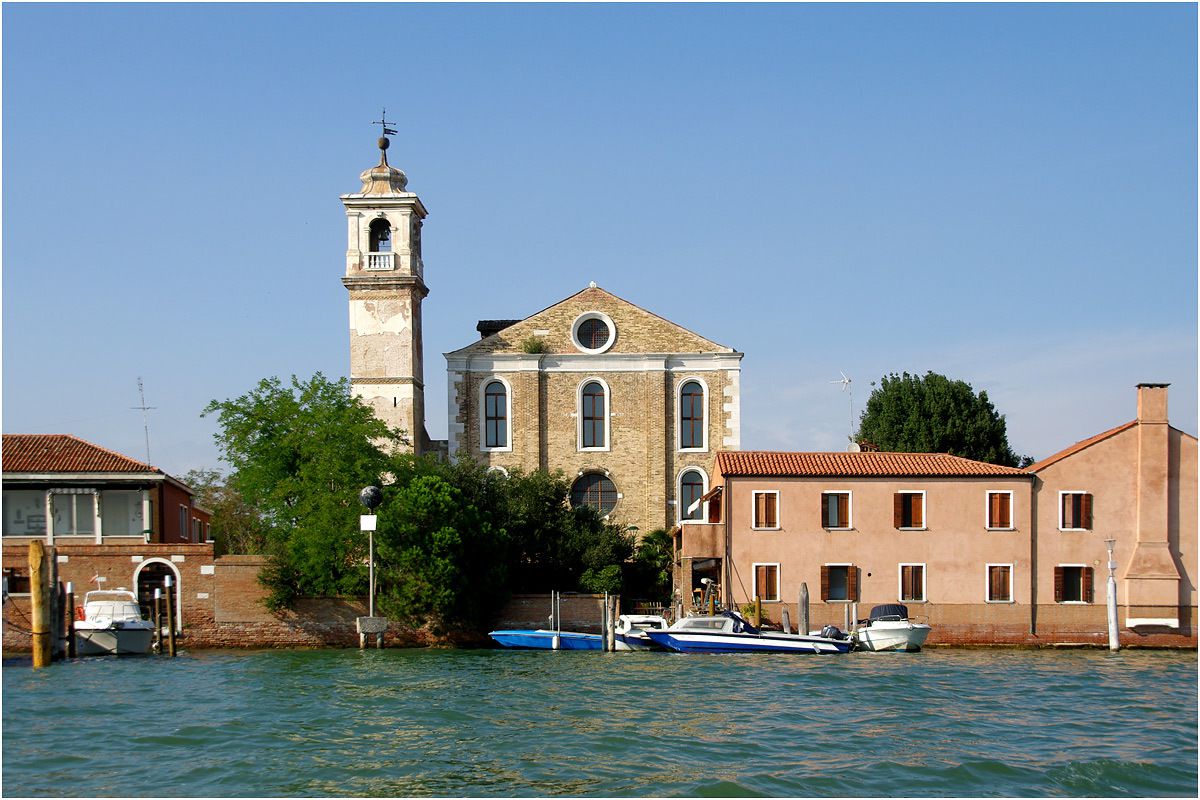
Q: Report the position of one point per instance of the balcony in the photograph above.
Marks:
(381, 261)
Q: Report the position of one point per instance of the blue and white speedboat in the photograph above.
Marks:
(729, 632)
(630, 631)
(547, 640)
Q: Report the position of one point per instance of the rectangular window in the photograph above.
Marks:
(839, 583)
(183, 523)
(1072, 583)
(999, 511)
(1075, 511)
(74, 514)
(24, 512)
(197, 531)
(908, 510)
(121, 513)
(766, 510)
(999, 583)
(912, 582)
(835, 510)
(766, 582)
(17, 580)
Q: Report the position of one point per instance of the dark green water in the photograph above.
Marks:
(944, 723)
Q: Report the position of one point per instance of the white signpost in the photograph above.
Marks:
(370, 624)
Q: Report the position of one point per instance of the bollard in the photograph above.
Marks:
(157, 614)
(804, 621)
(39, 605)
(70, 620)
(170, 597)
(785, 620)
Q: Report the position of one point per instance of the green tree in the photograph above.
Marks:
(300, 454)
(236, 527)
(933, 414)
(650, 573)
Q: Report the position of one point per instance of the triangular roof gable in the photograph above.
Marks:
(638, 330)
(1086, 443)
(60, 452)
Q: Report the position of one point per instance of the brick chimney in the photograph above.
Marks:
(1152, 580)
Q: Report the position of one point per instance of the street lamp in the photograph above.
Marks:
(1114, 641)
(370, 497)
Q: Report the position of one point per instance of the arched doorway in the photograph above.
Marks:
(150, 575)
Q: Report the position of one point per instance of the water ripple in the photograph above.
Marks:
(499, 723)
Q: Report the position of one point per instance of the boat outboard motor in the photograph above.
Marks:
(833, 632)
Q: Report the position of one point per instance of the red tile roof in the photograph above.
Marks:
(57, 452)
(1075, 448)
(857, 465)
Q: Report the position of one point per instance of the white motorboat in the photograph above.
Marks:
(729, 632)
(630, 631)
(112, 624)
(889, 628)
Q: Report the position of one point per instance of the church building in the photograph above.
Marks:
(632, 407)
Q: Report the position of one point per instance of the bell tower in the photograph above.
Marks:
(385, 278)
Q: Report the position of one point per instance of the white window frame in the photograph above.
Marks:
(1081, 567)
(1060, 513)
(507, 447)
(679, 415)
(900, 581)
(987, 583)
(1012, 509)
(754, 526)
(579, 416)
(97, 518)
(680, 509)
(778, 580)
(584, 317)
(924, 526)
(849, 526)
(848, 565)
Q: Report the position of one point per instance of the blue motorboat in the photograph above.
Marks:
(547, 640)
(729, 632)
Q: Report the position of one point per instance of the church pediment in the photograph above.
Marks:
(592, 322)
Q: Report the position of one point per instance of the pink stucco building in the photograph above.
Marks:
(985, 553)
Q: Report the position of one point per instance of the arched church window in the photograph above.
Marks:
(592, 416)
(495, 414)
(691, 416)
(596, 490)
(691, 489)
(381, 236)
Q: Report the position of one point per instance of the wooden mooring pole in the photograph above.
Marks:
(158, 648)
(39, 604)
(805, 625)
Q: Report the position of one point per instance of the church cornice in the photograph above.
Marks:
(374, 284)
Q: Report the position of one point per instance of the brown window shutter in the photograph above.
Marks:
(760, 581)
(992, 510)
(898, 510)
(844, 510)
(918, 510)
(852, 584)
(759, 508)
(1058, 584)
(1068, 511)
(824, 585)
(1087, 585)
(772, 584)
(1085, 512)
(714, 508)
(772, 510)
(825, 510)
(1005, 510)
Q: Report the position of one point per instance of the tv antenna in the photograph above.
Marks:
(848, 388)
(145, 416)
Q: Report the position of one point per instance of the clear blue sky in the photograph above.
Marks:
(1003, 194)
